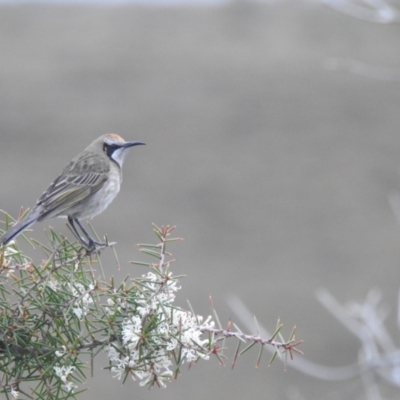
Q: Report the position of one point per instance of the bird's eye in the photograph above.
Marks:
(109, 149)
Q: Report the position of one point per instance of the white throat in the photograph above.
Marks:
(118, 156)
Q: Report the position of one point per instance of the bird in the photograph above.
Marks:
(84, 189)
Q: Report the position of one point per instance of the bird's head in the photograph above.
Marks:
(113, 146)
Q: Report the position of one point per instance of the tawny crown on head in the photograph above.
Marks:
(110, 138)
(113, 137)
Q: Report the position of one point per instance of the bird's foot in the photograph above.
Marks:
(93, 246)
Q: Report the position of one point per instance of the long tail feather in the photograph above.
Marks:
(18, 228)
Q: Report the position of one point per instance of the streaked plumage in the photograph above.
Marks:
(84, 189)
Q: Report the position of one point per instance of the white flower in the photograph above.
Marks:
(163, 328)
(208, 323)
(122, 304)
(189, 354)
(131, 330)
(147, 306)
(161, 361)
(172, 285)
(118, 373)
(170, 330)
(172, 344)
(151, 279)
(78, 312)
(113, 354)
(59, 353)
(83, 298)
(70, 386)
(64, 373)
(145, 377)
(14, 393)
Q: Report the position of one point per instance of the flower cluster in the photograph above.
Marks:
(83, 298)
(157, 334)
(65, 309)
(64, 373)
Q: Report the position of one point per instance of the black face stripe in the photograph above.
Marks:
(109, 149)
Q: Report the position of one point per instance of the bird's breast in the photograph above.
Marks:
(100, 200)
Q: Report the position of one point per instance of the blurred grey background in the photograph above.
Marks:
(275, 166)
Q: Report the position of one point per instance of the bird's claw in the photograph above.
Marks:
(94, 246)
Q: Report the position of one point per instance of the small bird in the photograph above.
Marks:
(88, 184)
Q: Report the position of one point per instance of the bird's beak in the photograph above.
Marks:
(130, 144)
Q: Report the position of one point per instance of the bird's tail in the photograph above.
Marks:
(16, 229)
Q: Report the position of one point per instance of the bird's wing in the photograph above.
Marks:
(81, 178)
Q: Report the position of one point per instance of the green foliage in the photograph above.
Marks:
(60, 313)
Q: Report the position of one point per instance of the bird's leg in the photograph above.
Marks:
(82, 240)
(92, 242)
